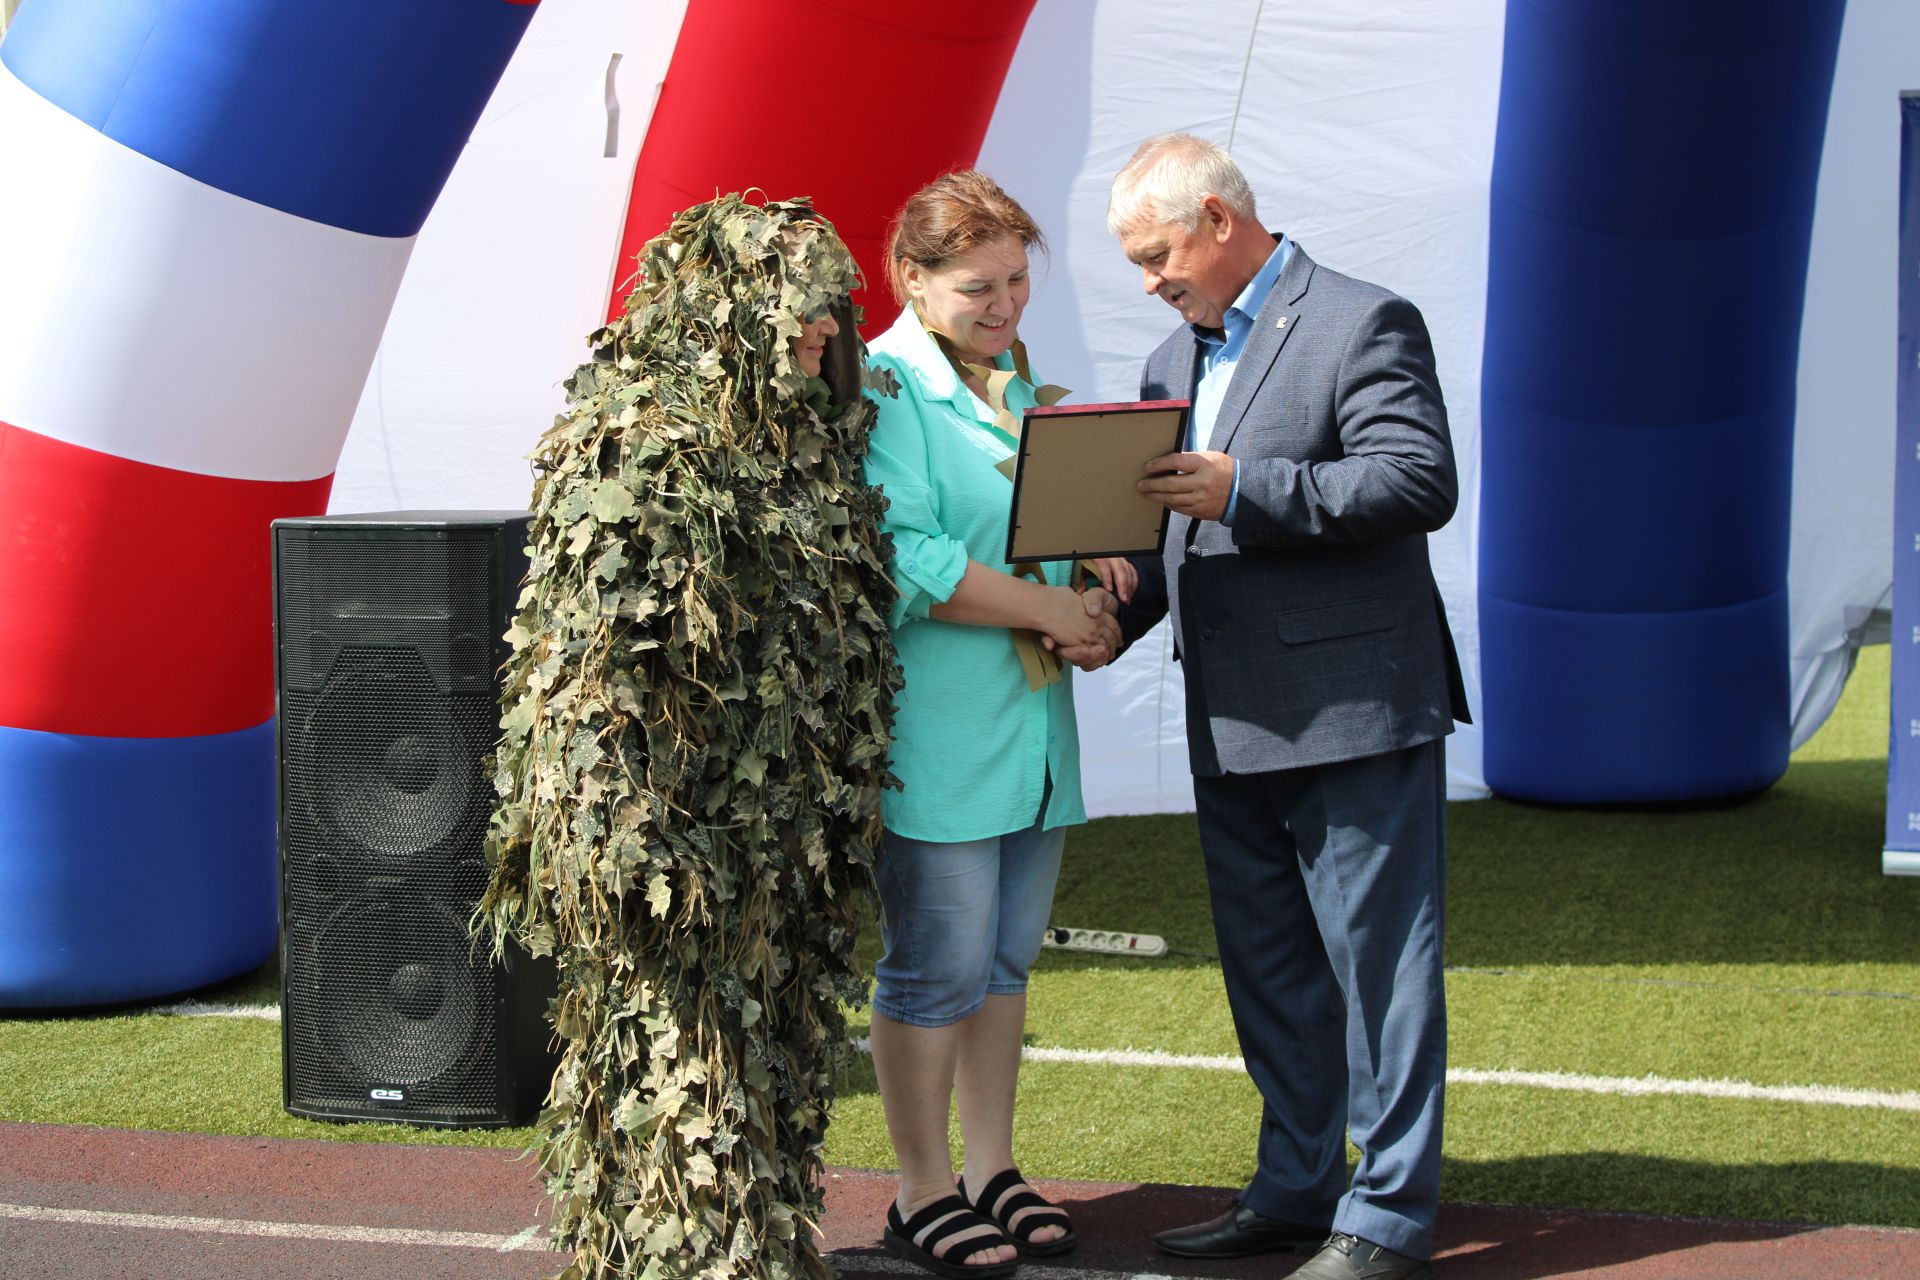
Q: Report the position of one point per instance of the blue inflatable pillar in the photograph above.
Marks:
(1652, 202)
(1900, 856)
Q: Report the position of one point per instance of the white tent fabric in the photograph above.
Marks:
(1840, 564)
(1367, 130)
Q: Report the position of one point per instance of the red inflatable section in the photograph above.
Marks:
(856, 103)
(135, 601)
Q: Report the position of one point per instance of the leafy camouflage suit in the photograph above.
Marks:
(694, 741)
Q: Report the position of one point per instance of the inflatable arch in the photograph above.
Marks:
(1606, 208)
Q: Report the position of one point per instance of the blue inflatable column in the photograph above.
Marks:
(1900, 856)
(1652, 202)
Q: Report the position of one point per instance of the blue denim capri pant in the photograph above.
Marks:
(961, 921)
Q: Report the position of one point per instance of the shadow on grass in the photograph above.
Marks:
(1789, 876)
(1774, 1200)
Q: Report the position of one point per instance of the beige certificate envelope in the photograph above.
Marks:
(1074, 476)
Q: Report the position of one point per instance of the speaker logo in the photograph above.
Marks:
(387, 1095)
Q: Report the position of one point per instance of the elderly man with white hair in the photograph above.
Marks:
(1321, 684)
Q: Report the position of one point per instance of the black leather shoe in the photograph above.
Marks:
(1240, 1233)
(1348, 1257)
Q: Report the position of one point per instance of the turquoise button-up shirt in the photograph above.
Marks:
(972, 746)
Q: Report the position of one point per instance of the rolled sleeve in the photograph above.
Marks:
(928, 562)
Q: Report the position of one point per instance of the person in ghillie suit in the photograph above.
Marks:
(694, 737)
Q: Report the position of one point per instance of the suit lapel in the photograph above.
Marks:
(1183, 366)
(1182, 376)
(1279, 317)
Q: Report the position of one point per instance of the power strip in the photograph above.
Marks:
(1106, 942)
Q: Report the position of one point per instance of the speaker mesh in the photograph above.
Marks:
(381, 762)
(394, 1001)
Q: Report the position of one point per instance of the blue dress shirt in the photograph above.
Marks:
(1220, 353)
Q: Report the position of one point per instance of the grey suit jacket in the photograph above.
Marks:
(1311, 630)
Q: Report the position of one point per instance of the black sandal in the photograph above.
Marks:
(918, 1240)
(1004, 1196)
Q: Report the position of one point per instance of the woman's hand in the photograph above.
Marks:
(1117, 575)
(1082, 627)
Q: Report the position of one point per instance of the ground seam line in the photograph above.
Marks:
(333, 1234)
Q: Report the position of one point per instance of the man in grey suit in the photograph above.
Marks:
(1321, 684)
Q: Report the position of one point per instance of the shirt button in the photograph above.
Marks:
(1206, 634)
(908, 565)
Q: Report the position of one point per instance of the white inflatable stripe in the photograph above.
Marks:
(149, 316)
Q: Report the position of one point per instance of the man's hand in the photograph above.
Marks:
(1194, 484)
(1117, 575)
(1087, 657)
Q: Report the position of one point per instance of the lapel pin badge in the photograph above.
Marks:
(1281, 323)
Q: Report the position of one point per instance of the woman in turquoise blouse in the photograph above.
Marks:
(985, 744)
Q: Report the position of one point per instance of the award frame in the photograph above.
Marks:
(1074, 476)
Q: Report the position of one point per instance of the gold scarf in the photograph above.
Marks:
(1041, 664)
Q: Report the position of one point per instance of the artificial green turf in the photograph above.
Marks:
(192, 1075)
(1754, 941)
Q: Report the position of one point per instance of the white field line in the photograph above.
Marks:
(1569, 1082)
(1626, 1086)
(532, 1239)
(1822, 1095)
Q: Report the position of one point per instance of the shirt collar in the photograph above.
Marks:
(909, 339)
(1245, 307)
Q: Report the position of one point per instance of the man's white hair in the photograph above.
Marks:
(1168, 178)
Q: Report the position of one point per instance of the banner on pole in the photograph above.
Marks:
(1901, 855)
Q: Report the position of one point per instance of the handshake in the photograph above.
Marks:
(1083, 626)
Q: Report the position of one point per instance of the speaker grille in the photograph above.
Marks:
(380, 762)
(396, 1004)
(433, 595)
(389, 630)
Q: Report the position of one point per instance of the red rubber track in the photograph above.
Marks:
(496, 1193)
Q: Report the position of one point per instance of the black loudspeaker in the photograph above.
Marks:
(388, 645)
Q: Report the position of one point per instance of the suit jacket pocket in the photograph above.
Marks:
(1325, 622)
